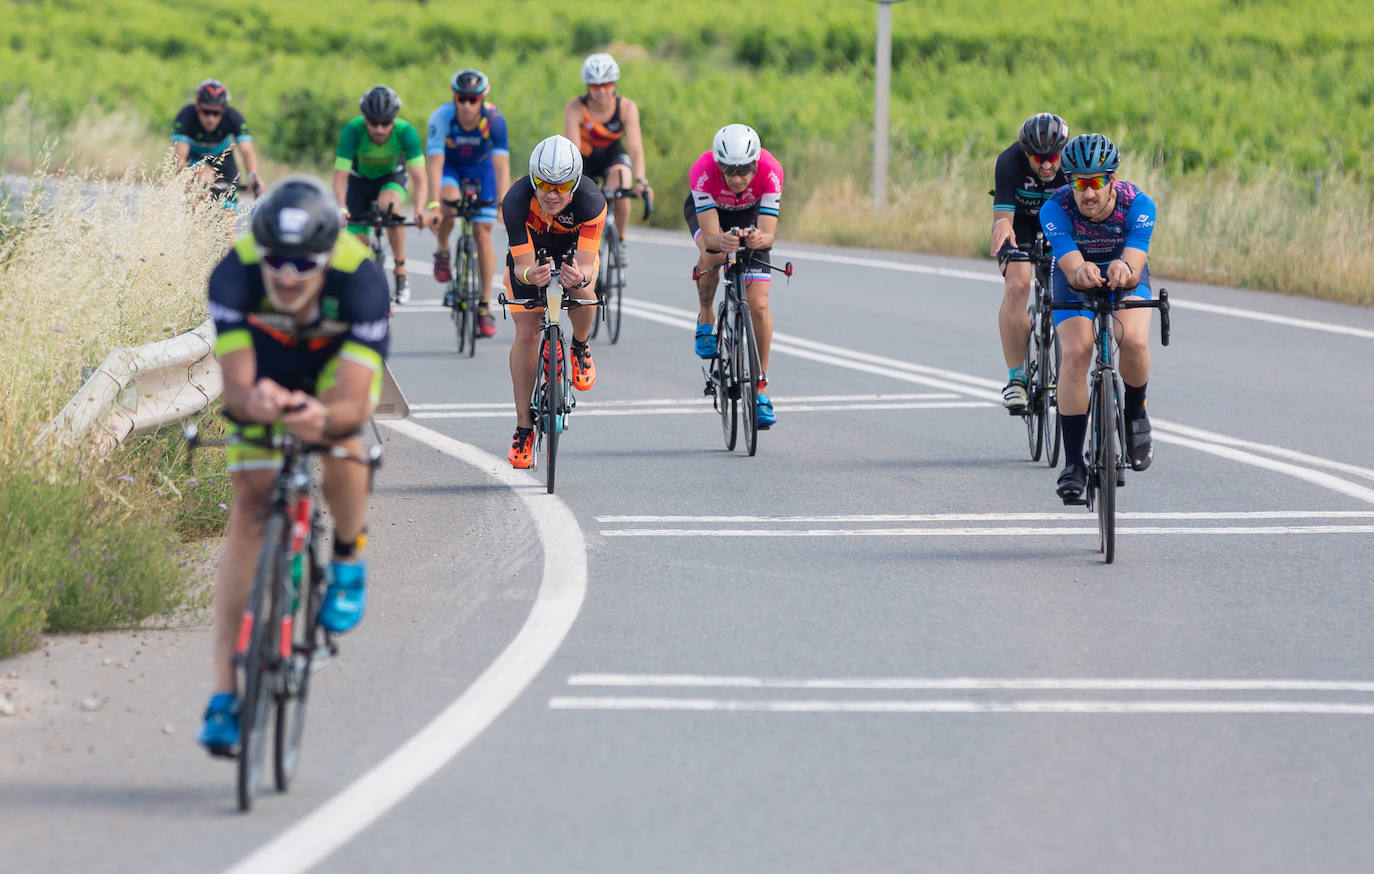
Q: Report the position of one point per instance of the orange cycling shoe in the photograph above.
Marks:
(584, 371)
(521, 453)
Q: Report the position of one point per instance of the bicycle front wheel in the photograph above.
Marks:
(472, 293)
(1104, 464)
(262, 616)
(1049, 388)
(1035, 411)
(291, 699)
(552, 423)
(614, 289)
(747, 373)
(727, 386)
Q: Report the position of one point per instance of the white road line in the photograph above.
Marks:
(556, 606)
(998, 517)
(979, 532)
(668, 402)
(1200, 708)
(697, 410)
(992, 277)
(971, 684)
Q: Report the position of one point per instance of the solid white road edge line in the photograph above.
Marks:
(980, 532)
(1000, 517)
(1078, 684)
(1320, 708)
(561, 592)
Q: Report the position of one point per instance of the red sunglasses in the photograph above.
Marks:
(1047, 159)
(468, 98)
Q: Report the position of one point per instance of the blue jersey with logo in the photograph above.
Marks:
(1131, 223)
(466, 148)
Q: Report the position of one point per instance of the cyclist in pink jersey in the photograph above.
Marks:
(735, 199)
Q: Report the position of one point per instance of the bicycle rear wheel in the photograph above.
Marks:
(1049, 388)
(727, 386)
(1104, 464)
(614, 289)
(747, 374)
(1035, 400)
(552, 422)
(263, 615)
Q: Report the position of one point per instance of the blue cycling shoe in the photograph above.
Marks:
(706, 341)
(346, 596)
(767, 418)
(220, 733)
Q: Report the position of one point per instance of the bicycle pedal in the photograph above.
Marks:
(223, 752)
(1072, 501)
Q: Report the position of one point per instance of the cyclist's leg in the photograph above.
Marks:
(251, 474)
(756, 286)
(448, 190)
(619, 175)
(1133, 331)
(707, 263)
(1012, 321)
(392, 198)
(359, 198)
(524, 350)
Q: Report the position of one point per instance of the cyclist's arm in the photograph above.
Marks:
(1140, 225)
(1131, 258)
(182, 151)
(1003, 202)
(348, 409)
(764, 232)
(586, 265)
(572, 122)
(514, 212)
(344, 153)
(341, 187)
(501, 163)
(634, 143)
(419, 184)
(250, 158)
(711, 236)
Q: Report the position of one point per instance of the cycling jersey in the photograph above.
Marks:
(360, 156)
(213, 145)
(599, 134)
(1018, 190)
(577, 228)
(1130, 224)
(764, 191)
(468, 153)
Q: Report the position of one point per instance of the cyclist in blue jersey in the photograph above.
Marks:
(467, 140)
(300, 315)
(207, 133)
(1027, 173)
(1099, 227)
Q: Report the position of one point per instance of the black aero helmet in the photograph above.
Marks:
(469, 81)
(1044, 134)
(212, 92)
(380, 102)
(1090, 153)
(298, 217)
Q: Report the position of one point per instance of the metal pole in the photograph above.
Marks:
(881, 86)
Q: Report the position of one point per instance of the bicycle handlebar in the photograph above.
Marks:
(537, 303)
(743, 252)
(374, 219)
(287, 443)
(1096, 298)
(630, 193)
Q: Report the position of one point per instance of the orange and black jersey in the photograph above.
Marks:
(578, 226)
(599, 134)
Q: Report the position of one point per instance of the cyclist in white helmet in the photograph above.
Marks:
(737, 185)
(559, 209)
(605, 128)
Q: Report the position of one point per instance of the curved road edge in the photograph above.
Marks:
(557, 604)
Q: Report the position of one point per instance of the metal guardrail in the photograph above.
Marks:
(137, 390)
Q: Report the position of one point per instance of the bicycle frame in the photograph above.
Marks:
(464, 286)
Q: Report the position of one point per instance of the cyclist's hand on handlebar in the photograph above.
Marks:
(730, 241)
(432, 218)
(265, 401)
(569, 275)
(1087, 276)
(1119, 273)
(421, 218)
(757, 239)
(539, 275)
(1002, 233)
(305, 415)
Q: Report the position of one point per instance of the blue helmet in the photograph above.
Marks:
(1090, 153)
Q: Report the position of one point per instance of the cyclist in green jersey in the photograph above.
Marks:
(376, 151)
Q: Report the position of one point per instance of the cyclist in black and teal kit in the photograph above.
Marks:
(207, 133)
(301, 316)
(1100, 228)
(375, 152)
(1027, 174)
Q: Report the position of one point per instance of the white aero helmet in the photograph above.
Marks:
(599, 69)
(735, 144)
(556, 160)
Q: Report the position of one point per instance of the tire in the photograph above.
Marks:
(747, 373)
(553, 407)
(472, 294)
(727, 389)
(296, 687)
(1104, 464)
(1049, 381)
(258, 696)
(1035, 395)
(614, 289)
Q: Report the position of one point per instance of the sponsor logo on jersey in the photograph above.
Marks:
(330, 307)
(221, 313)
(370, 332)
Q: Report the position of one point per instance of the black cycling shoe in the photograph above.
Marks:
(1073, 484)
(1139, 447)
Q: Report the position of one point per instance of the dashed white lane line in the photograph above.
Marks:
(556, 606)
(1084, 707)
(1124, 530)
(969, 684)
(1202, 515)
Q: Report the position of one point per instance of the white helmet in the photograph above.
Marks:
(556, 160)
(735, 144)
(599, 69)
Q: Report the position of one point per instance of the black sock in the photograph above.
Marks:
(346, 549)
(1135, 401)
(1075, 428)
(578, 344)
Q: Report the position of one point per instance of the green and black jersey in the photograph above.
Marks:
(360, 156)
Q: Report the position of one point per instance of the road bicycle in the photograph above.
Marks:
(1042, 357)
(733, 375)
(280, 639)
(464, 294)
(379, 222)
(1107, 461)
(552, 400)
(610, 281)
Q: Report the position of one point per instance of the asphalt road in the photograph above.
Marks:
(882, 644)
